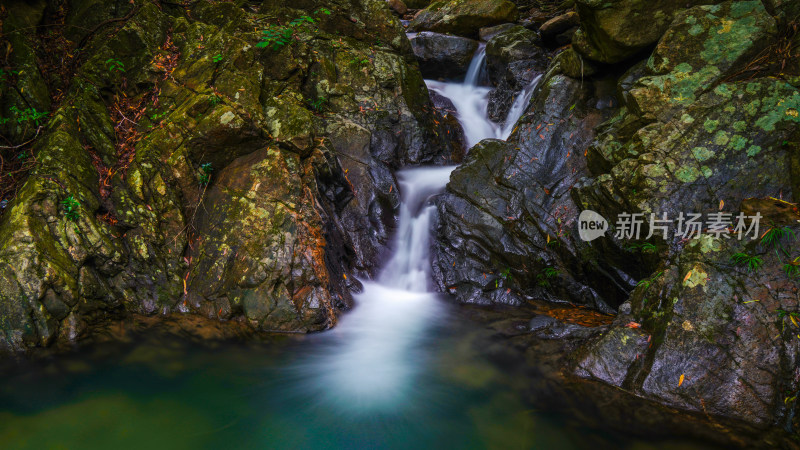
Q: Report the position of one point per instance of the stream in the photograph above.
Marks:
(403, 369)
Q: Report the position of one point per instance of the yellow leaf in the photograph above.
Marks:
(680, 381)
(721, 204)
(794, 321)
(548, 238)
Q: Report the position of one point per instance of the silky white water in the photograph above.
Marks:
(375, 352)
(371, 361)
(471, 101)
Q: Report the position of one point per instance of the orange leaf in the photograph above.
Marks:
(689, 274)
(680, 381)
(633, 325)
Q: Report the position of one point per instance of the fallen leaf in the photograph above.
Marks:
(633, 325)
(689, 274)
(680, 381)
(721, 204)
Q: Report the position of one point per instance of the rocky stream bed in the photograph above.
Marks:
(217, 174)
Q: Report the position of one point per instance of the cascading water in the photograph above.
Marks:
(369, 362)
(376, 349)
(471, 101)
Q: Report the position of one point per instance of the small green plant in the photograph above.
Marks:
(792, 268)
(317, 104)
(325, 11)
(6, 74)
(72, 208)
(752, 262)
(645, 247)
(26, 115)
(158, 116)
(648, 281)
(205, 173)
(115, 65)
(546, 275)
(275, 37)
(215, 100)
(359, 60)
(302, 20)
(217, 58)
(774, 238)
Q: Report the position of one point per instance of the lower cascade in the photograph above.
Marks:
(375, 353)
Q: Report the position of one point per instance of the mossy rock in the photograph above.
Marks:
(464, 17)
(613, 31)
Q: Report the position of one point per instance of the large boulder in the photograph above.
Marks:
(703, 45)
(195, 166)
(502, 218)
(464, 17)
(442, 55)
(613, 31)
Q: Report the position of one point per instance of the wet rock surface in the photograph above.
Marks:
(441, 55)
(676, 133)
(210, 169)
(464, 17)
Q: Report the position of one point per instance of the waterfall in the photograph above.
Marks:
(371, 360)
(376, 351)
(471, 101)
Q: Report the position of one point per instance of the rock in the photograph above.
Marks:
(487, 33)
(442, 55)
(615, 31)
(417, 4)
(711, 352)
(703, 45)
(290, 146)
(679, 148)
(21, 71)
(503, 206)
(464, 17)
(558, 25)
(513, 60)
(513, 45)
(539, 323)
(609, 358)
(783, 9)
(573, 65)
(397, 6)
